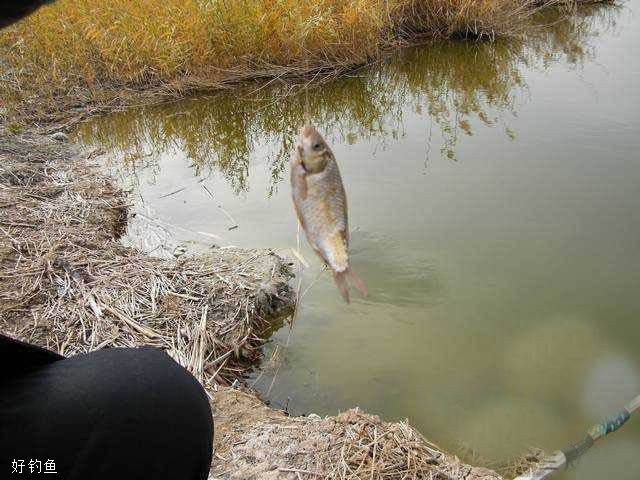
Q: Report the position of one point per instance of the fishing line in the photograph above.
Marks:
(297, 253)
(307, 114)
(563, 458)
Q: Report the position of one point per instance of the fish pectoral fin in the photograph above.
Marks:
(300, 177)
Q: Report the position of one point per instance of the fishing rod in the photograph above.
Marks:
(562, 458)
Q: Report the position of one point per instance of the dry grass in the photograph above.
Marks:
(67, 283)
(527, 463)
(104, 54)
(253, 441)
(457, 84)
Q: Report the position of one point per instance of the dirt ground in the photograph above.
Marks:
(67, 283)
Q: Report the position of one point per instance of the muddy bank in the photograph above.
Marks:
(68, 284)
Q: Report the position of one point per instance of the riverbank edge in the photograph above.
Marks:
(63, 111)
(66, 283)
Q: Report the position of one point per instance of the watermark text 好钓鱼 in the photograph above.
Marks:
(32, 466)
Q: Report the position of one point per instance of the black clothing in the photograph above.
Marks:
(13, 10)
(122, 413)
(17, 357)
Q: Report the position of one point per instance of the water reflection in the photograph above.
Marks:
(449, 84)
(503, 285)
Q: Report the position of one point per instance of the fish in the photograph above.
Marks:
(320, 203)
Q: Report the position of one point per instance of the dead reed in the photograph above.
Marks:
(254, 441)
(67, 283)
(80, 54)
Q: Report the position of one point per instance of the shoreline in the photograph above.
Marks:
(66, 283)
(70, 285)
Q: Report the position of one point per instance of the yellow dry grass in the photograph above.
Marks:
(253, 441)
(66, 283)
(79, 52)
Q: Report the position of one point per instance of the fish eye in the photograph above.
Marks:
(316, 146)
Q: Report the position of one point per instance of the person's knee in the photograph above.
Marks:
(171, 389)
(116, 413)
(150, 389)
(148, 403)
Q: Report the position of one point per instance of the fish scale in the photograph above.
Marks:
(324, 215)
(321, 205)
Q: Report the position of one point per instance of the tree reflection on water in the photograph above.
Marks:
(453, 85)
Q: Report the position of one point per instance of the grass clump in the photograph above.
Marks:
(66, 282)
(80, 52)
(254, 441)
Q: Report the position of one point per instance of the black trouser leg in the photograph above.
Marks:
(112, 414)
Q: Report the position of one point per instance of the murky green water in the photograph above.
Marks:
(494, 202)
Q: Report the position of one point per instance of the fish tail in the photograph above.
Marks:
(341, 282)
(358, 282)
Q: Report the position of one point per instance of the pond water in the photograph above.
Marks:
(494, 194)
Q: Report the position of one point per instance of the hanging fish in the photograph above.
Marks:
(321, 206)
